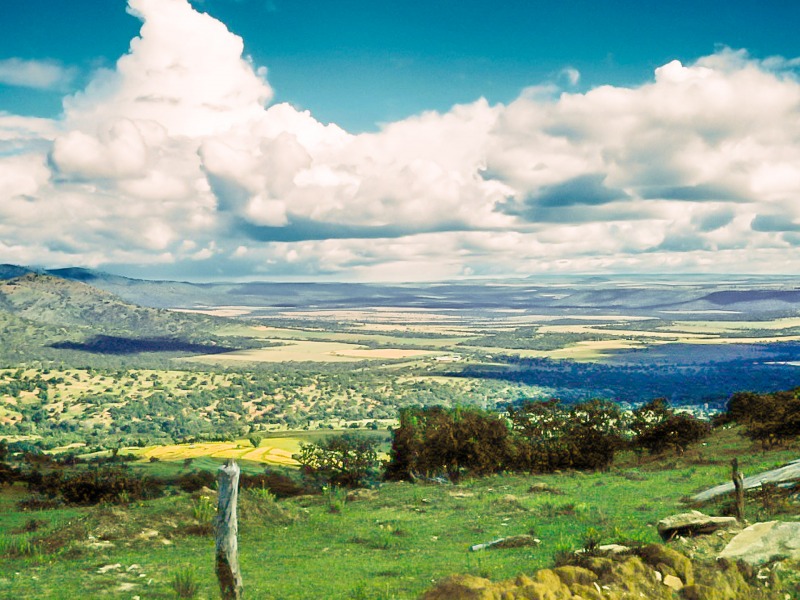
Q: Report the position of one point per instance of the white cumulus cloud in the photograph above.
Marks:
(36, 74)
(175, 157)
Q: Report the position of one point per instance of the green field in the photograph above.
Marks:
(392, 544)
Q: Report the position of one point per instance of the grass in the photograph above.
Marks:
(311, 351)
(391, 545)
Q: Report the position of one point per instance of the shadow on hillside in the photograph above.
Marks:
(107, 344)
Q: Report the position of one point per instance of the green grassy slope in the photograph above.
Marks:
(393, 544)
(53, 321)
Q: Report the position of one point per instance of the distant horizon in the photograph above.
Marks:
(611, 277)
(363, 141)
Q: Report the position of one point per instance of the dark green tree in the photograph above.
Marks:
(347, 460)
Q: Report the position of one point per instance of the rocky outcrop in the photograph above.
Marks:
(787, 474)
(762, 543)
(692, 523)
(655, 572)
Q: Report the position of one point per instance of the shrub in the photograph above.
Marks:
(37, 502)
(347, 460)
(435, 440)
(283, 486)
(675, 431)
(191, 482)
(769, 418)
(106, 484)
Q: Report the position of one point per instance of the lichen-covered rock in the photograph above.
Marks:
(764, 542)
(725, 581)
(463, 587)
(570, 575)
(585, 592)
(631, 579)
(620, 577)
(666, 559)
(692, 523)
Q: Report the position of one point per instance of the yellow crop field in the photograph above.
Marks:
(312, 351)
(277, 451)
(592, 350)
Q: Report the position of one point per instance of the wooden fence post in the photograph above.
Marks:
(738, 489)
(227, 528)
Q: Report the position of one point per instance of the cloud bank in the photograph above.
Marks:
(175, 161)
(36, 74)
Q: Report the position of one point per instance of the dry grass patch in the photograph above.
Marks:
(312, 351)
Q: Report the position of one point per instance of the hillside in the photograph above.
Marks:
(44, 318)
(55, 301)
(394, 541)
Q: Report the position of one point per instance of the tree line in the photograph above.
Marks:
(535, 437)
(770, 419)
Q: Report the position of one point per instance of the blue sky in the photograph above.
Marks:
(359, 63)
(399, 140)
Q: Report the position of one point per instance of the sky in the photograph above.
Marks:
(400, 140)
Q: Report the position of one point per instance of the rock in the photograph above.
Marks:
(570, 575)
(785, 475)
(692, 523)
(517, 541)
(542, 488)
(617, 577)
(671, 581)
(147, 534)
(606, 549)
(514, 541)
(461, 494)
(461, 587)
(205, 492)
(361, 494)
(668, 561)
(107, 568)
(764, 542)
(613, 549)
(510, 501)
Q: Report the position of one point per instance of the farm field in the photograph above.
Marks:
(270, 453)
(312, 351)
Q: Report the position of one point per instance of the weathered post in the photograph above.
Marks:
(227, 528)
(738, 489)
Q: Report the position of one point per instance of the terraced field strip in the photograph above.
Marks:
(278, 454)
(311, 351)
(721, 327)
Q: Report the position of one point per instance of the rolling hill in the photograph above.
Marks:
(44, 318)
(730, 297)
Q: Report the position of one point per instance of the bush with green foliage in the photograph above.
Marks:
(657, 428)
(435, 441)
(771, 419)
(536, 437)
(347, 460)
(550, 436)
(113, 484)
